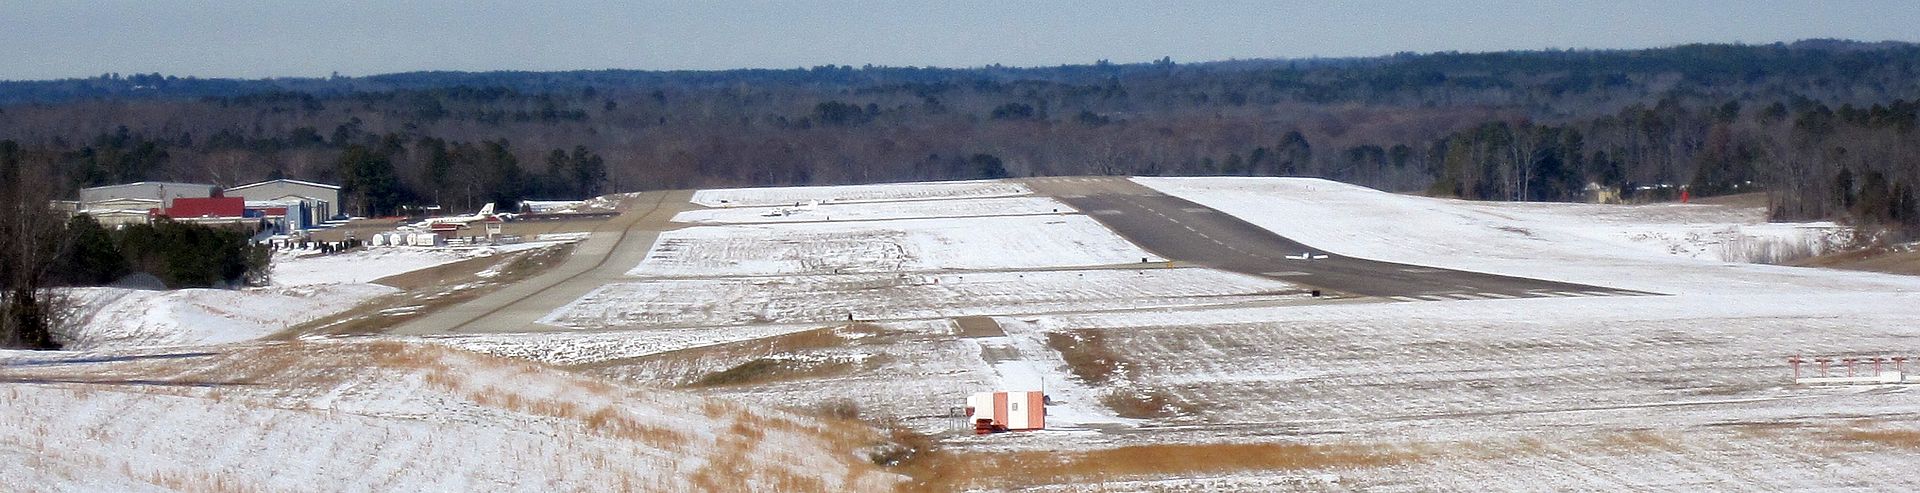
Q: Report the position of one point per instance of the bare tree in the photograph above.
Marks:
(32, 237)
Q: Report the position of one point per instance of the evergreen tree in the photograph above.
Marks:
(94, 258)
(589, 172)
(368, 177)
(988, 167)
(504, 176)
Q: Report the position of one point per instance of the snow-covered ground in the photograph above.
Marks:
(1653, 392)
(363, 265)
(790, 196)
(305, 286)
(904, 245)
(829, 298)
(580, 348)
(383, 416)
(119, 317)
(1662, 248)
(1500, 394)
(1535, 393)
(1005, 206)
(1684, 391)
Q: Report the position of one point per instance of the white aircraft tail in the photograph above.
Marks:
(485, 210)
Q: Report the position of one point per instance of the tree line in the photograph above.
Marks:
(1527, 125)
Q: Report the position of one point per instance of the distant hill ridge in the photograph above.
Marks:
(1824, 126)
(1702, 61)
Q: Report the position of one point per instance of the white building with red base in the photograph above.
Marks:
(992, 412)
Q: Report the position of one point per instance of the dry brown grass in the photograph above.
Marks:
(767, 370)
(201, 481)
(1880, 438)
(603, 420)
(748, 362)
(790, 343)
(1147, 404)
(978, 326)
(1087, 354)
(947, 471)
(736, 463)
(1869, 259)
(836, 408)
(1637, 440)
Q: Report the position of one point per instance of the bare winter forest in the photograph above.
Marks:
(1826, 127)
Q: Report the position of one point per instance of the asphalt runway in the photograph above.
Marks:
(1184, 231)
(616, 245)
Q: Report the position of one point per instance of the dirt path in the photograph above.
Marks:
(978, 326)
(616, 246)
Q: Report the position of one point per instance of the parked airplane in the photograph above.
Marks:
(485, 212)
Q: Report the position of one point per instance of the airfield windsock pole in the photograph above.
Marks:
(1795, 361)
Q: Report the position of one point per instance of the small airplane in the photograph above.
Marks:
(1307, 256)
(485, 212)
(788, 211)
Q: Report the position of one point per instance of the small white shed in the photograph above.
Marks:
(991, 412)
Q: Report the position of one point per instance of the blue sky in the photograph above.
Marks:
(42, 39)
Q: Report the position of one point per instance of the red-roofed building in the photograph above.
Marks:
(206, 208)
(215, 211)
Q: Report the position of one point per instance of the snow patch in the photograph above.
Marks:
(907, 245)
(119, 317)
(776, 196)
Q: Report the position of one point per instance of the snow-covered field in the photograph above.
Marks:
(1656, 392)
(305, 286)
(581, 348)
(790, 196)
(904, 245)
(1663, 248)
(384, 416)
(119, 317)
(830, 298)
(364, 265)
(1005, 206)
(1688, 390)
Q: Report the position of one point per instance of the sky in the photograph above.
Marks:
(47, 39)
